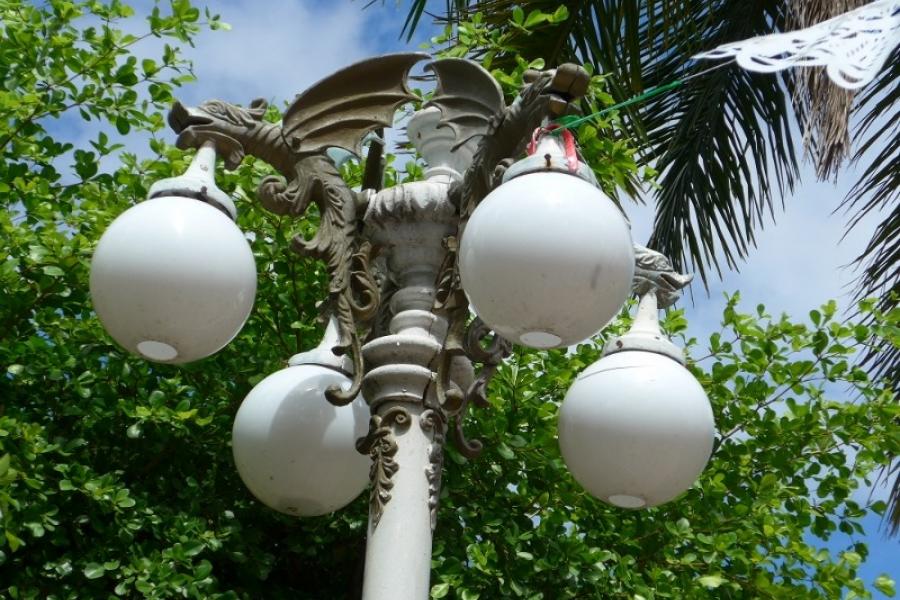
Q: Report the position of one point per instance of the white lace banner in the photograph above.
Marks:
(852, 47)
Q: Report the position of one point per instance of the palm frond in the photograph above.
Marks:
(823, 108)
(878, 189)
(878, 192)
(722, 142)
(417, 9)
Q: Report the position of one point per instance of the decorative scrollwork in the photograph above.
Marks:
(490, 355)
(468, 341)
(550, 93)
(339, 111)
(434, 422)
(381, 445)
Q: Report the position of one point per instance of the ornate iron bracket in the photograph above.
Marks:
(463, 339)
(653, 272)
(657, 285)
(336, 112)
(434, 422)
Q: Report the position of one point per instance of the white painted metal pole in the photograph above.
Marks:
(408, 452)
(398, 553)
(406, 434)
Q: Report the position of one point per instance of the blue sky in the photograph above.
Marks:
(278, 48)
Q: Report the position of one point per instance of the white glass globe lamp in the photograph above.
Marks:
(546, 258)
(636, 428)
(294, 450)
(173, 278)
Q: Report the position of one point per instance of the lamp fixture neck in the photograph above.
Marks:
(548, 154)
(645, 334)
(198, 182)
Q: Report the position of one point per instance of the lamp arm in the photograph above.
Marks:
(308, 178)
(548, 93)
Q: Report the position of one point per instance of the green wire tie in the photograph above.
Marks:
(571, 121)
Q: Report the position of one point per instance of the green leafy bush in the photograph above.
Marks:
(116, 477)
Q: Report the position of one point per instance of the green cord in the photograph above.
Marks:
(572, 121)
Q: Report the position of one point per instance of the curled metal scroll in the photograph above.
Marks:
(463, 339)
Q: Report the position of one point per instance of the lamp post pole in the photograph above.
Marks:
(399, 331)
(407, 428)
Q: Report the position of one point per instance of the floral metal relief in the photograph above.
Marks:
(434, 422)
(381, 445)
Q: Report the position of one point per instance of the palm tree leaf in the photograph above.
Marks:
(878, 193)
(700, 137)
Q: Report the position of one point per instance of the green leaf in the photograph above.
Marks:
(148, 65)
(53, 271)
(852, 558)
(37, 529)
(535, 17)
(440, 590)
(93, 570)
(14, 541)
(203, 570)
(712, 581)
(193, 548)
(886, 586)
(560, 14)
(4, 464)
(123, 125)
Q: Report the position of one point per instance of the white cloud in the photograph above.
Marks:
(276, 48)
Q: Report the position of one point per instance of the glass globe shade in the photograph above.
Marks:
(636, 429)
(294, 450)
(173, 279)
(546, 260)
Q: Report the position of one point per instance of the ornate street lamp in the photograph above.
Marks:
(535, 250)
